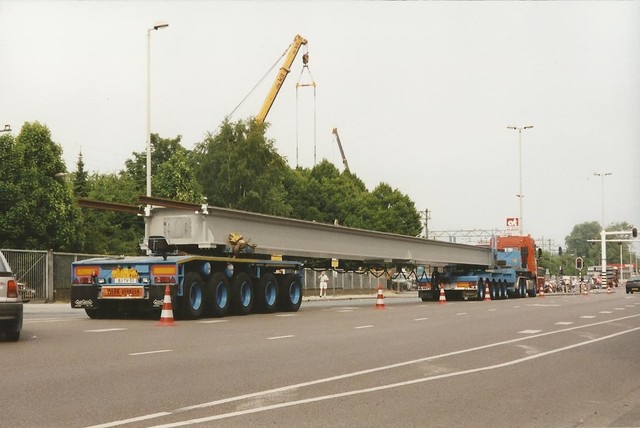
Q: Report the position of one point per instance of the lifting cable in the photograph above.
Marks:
(312, 83)
(269, 71)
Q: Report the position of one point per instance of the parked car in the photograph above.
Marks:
(10, 302)
(633, 284)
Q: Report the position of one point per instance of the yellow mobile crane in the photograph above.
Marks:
(298, 41)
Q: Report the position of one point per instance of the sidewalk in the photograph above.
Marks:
(350, 295)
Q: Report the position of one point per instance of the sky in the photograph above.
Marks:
(421, 93)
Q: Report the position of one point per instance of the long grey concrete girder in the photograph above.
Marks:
(207, 226)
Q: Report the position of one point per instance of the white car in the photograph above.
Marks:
(10, 303)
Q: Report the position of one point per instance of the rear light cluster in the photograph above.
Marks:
(12, 288)
(164, 274)
(164, 280)
(85, 274)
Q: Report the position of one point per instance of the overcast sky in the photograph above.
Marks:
(421, 93)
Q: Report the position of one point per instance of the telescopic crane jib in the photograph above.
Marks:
(344, 158)
(291, 53)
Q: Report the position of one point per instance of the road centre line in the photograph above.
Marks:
(151, 352)
(392, 385)
(377, 369)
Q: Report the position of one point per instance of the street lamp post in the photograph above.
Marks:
(521, 194)
(603, 234)
(157, 26)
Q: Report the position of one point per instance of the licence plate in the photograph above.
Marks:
(122, 292)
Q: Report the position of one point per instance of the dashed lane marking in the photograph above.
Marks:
(161, 351)
(364, 326)
(281, 337)
(588, 316)
(420, 319)
(605, 312)
(529, 331)
(564, 323)
(210, 321)
(105, 330)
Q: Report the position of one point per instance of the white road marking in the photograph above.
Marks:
(564, 323)
(286, 315)
(150, 352)
(619, 309)
(491, 310)
(384, 387)
(588, 316)
(42, 320)
(364, 326)
(280, 337)
(605, 312)
(210, 321)
(420, 319)
(529, 331)
(104, 330)
(461, 313)
(345, 310)
(373, 370)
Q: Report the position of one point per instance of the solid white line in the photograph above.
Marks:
(280, 337)
(392, 385)
(104, 330)
(128, 421)
(151, 352)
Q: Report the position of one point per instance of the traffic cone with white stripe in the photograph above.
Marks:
(609, 290)
(166, 316)
(541, 293)
(443, 298)
(380, 298)
(487, 293)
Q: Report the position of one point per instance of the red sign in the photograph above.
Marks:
(513, 223)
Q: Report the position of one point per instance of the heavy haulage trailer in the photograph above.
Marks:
(514, 273)
(218, 260)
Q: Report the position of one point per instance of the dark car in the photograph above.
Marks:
(10, 302)
(633, 284)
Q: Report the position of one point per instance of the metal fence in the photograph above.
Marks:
(46, 275)
(42, 273)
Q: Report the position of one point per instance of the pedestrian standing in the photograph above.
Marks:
(324, 280)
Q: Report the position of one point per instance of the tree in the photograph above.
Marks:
(239, 168)
(394, 212)
(40, 211)
(80, 177)
(578, 243)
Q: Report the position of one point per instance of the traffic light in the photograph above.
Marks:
(579, 263)
(634, 232)
(559, 251)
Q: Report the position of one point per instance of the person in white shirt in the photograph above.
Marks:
(324, 280)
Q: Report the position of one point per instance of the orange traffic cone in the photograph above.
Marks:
(487, 294)
(541, 293)
(443, 298)
(609, 290)
(585, 292)
(166, 316)
(380, 299)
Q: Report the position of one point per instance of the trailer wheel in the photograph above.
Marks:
(480, 290)
(192, 303)
(219, 298)
(291, 293)
(267, 293)
(522, 287)
(242, 294)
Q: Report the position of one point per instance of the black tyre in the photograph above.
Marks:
(290, 293)
(242, 294)
(192, 303)
(481, 290)
(267, 293)
(218, 295)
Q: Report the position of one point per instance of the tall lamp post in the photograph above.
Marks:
(603, 234)
(521, 194)
(157, 26)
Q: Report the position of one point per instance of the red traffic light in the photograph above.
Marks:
(579, 263)
(634, 232)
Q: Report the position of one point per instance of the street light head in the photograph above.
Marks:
(159, 25)
(511, 127)
(528, 127)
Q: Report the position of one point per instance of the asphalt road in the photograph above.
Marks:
(557, 361)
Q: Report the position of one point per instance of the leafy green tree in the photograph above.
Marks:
(239, 168)
(110, 232)
(578, 243)
(394, 212)
(80, 178)
(42, 212)
(175, 179)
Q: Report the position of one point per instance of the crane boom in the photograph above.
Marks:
(298, 41)
(344, 158)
